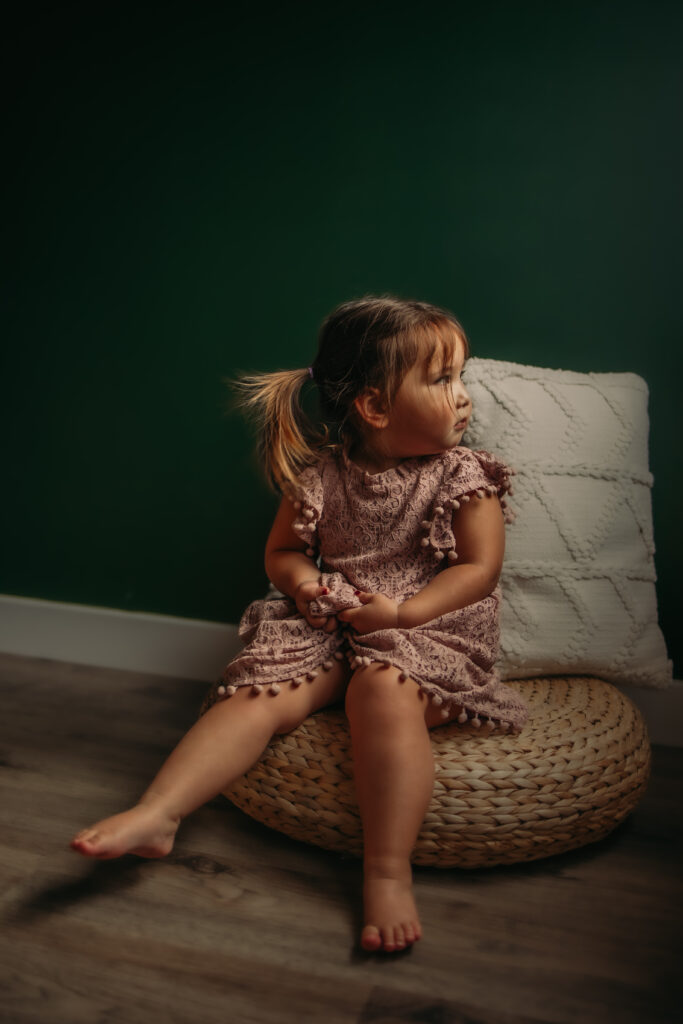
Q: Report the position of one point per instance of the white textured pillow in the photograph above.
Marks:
(579, 577)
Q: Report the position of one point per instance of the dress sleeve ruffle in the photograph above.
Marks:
(470, 476)
(307, 497)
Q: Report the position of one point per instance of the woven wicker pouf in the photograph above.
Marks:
(578, 768)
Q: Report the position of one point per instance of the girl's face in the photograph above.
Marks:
(431, 409)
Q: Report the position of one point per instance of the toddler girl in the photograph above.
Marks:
(387, 547)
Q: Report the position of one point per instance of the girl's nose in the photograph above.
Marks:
(462, 399)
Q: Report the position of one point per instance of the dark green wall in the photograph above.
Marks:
(192, 187)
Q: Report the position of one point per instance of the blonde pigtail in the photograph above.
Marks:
(288, 440)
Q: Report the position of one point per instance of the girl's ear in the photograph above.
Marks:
(372, 408)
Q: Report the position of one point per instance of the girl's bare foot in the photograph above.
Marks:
(145, 829)
(392, 919)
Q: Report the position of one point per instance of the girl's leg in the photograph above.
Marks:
(394, 776)
(219, 748)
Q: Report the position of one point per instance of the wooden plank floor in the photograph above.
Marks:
(242, 925)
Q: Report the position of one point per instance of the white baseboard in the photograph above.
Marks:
(194, 649)
(106, 637)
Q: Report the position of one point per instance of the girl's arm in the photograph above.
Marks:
(480, 531)
(290, 569)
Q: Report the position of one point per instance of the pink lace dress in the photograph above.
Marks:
(390, 533)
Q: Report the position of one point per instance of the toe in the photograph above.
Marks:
(390, 939)
(79, 842)
(86, 833)
(370, 939)
(87, 842)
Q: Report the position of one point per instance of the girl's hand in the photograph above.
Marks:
(303, 595)
(377, 612)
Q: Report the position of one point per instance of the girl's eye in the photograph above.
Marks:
(450, 377)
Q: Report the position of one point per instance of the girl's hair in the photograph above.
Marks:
(367, 343)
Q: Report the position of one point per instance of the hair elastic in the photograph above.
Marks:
(310, 372)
